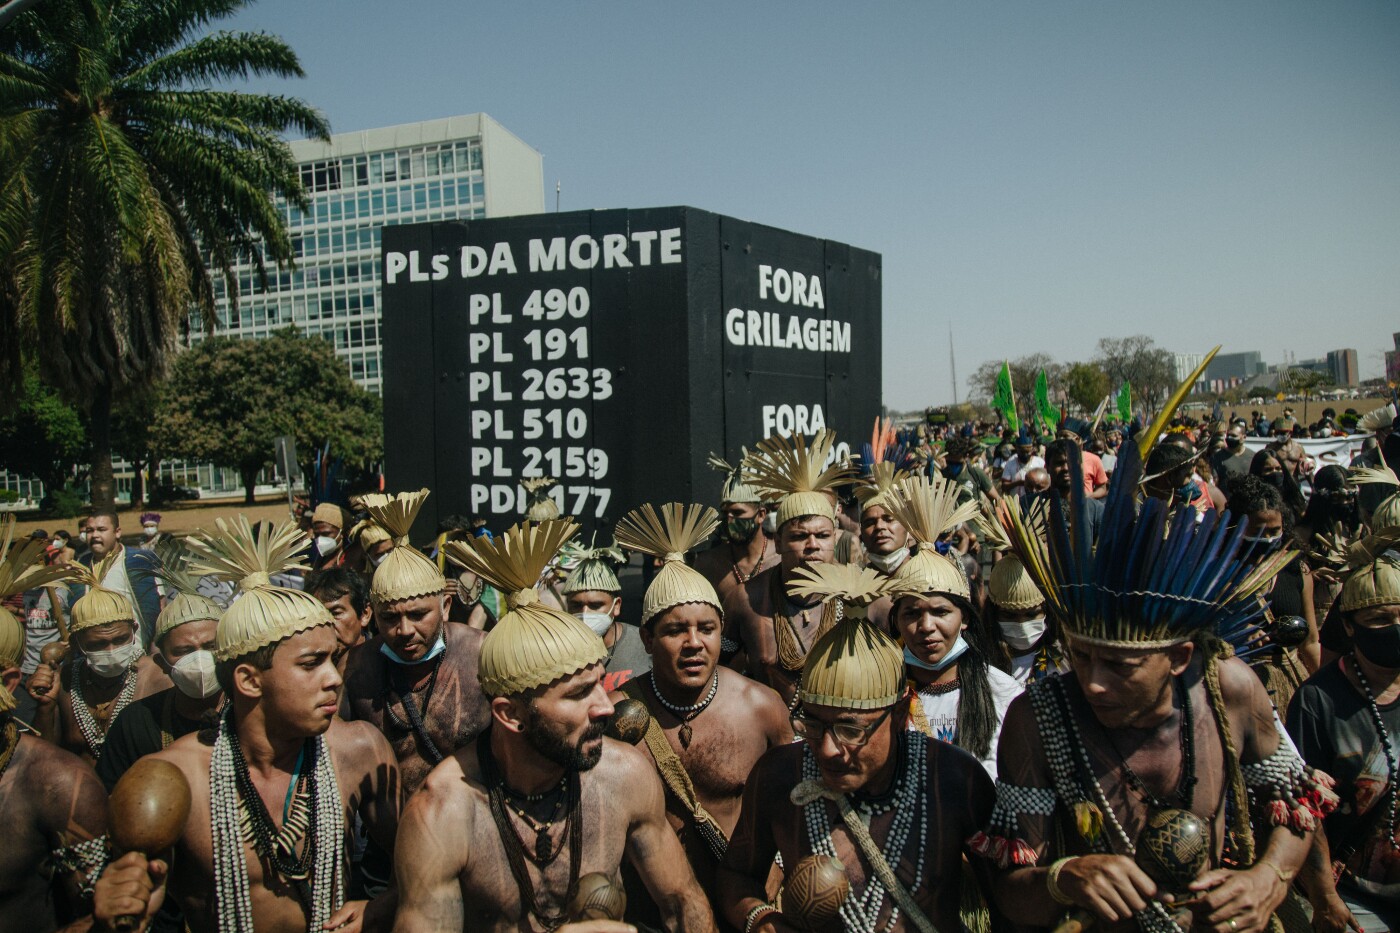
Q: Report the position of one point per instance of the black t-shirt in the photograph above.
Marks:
(1332, 725)
(136, 732)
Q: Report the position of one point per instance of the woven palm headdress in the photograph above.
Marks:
(669, 534)
(853, 665)
(795, 473)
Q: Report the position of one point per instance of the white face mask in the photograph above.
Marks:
(1022, 636)
(115, 661)
(770, 523)
(376, 561)
(150, 530)
(599, 622)
(57, 542)
(82, 536)
(194, 675)
(325, 544)
(888, 563)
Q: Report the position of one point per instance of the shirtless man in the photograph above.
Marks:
(75, 704)
(55, 808)
(1140, 724)
(279, 750)
(504, 828)
(915, 794)
(744, 550)
(709, 725)
(416, 681)
(753, 615)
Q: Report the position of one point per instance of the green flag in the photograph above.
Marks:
(1125, 403)
(1049, 414)
(1004, 400)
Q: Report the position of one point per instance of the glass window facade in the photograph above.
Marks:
(333, 291)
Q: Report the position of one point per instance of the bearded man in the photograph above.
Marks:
(503, 830)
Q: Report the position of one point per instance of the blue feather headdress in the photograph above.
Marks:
(1159, 575)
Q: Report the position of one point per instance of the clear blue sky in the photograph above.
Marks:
(1039, 174)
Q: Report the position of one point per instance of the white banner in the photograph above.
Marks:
(1322, 450)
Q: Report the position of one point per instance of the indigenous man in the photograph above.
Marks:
(1380, 422)
(883, 537)
(327, 525)
(889, 803)
(959, 468)
(279, 749)
(744, 550)
(1346, 721)
(345, 594)
(128, 571)
(54, 807)
(773, 627)
(593, 593)
(708, 725)
(185, 643)
(76, 704)
(1153, 718)
(417, 658)
(503, 830)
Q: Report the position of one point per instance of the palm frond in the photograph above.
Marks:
(513, 561)
(669, 534)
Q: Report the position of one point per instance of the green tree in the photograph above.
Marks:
(134, 442)
(1086, 384)
(227, 400)
(121, 171)
(1138, 360)
(42, 436)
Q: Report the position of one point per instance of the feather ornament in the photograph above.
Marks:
(22, 564)
(1364, 475)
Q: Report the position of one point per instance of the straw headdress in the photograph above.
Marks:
(405, 573)
(928, 508)
(853, 665)
(591, 569)
(669, 535)
(532, 644)
(789, 470)
(1387, 514)
(1377, 419)
(1011, 588)
(539, 507)
(247, 556)
(21, 568)
(1375, 573)
(734, 489)
(367, 534)
(99, 605)
(186, 604)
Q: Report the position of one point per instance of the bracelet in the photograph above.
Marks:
(758, 913)
(1052, 881)
(1283, 876)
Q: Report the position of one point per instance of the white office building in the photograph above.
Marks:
(455, 168)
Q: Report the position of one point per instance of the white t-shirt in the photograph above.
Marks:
(1015, 469)
(941, 711)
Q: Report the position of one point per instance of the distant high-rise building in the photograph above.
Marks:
(1230, 368)
(1186, 364)
(1341, 364)
(462, 167)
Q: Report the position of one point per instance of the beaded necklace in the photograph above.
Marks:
(237, 810)
(792, 653)
(11, 734)
(1186, 784)
(515, 850)
(743, 578)
(93, 734)
(686, 713)
(410, 708)
(909, 802)
(1388, 746)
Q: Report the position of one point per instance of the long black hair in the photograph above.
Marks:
(977, 714)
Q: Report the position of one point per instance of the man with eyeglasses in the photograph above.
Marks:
(893, 805)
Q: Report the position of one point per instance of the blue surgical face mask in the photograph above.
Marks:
(954, 469)
(952, 655)
(436, 650)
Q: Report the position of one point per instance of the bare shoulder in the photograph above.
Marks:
(55, 774)
(190, 753)
(358, 744)
(1239, 685)
(447, 794)
(761, 698)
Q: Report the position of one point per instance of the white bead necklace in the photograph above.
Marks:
(910, 804)
(232, 896)
(87, 725)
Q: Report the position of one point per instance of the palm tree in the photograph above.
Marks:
(125, 177)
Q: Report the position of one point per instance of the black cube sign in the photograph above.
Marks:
(613, 351)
